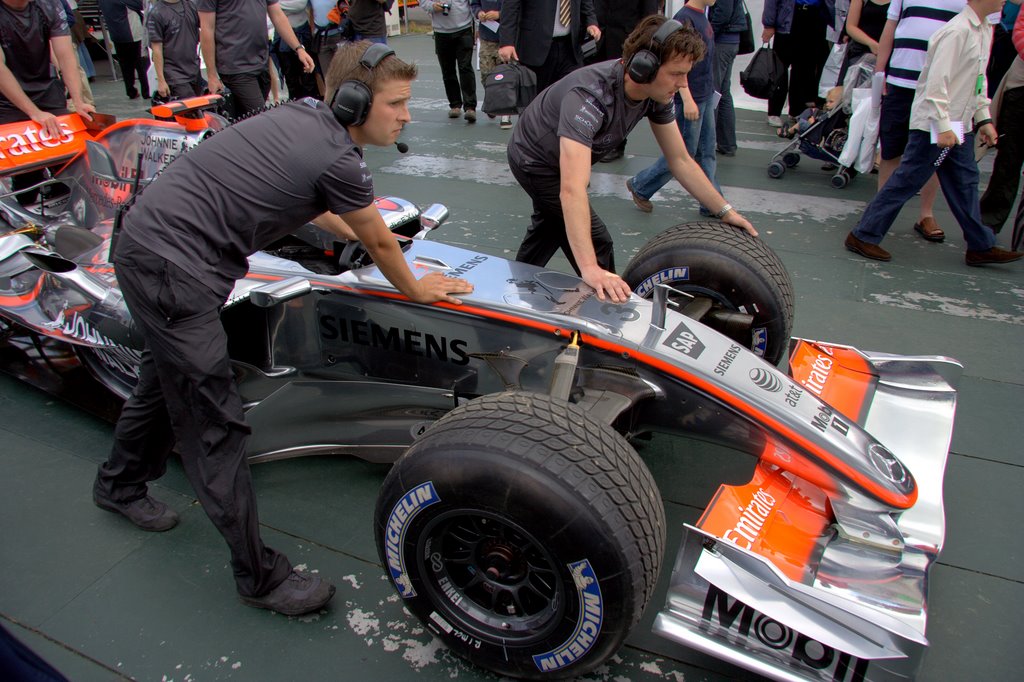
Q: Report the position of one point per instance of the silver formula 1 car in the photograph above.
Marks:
(518, 522)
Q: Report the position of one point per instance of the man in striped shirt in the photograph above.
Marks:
(901, 54)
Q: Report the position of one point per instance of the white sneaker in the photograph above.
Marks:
(505, 123)
(775, 121)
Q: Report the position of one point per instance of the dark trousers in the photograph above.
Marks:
(998, 199)
(958, 177)
(455, 55)
(133, 63)
(546, 233)
(804, 51)
(186, 89)
(249, 90)
(300, 84)
(187, 399)
(562, 60)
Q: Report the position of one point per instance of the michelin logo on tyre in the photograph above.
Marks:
(588, 624)
(404, 511)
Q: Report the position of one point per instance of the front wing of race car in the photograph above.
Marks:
(768, 580)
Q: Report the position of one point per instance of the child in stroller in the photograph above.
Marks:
(819, 134)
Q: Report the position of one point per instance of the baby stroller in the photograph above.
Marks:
(827, 138)
(823, 140)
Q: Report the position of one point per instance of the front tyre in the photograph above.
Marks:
(728, 269)
(524, 533)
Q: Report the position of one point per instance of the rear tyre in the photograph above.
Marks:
(524, 533)
(791, 159)
(737, 272)
(840, 180)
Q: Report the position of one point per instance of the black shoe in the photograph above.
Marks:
(297, 594)
(145, 512)
(725, 152)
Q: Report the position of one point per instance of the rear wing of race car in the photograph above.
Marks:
(779, 576)
(24, 146)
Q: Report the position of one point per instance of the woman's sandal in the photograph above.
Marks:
(929, 230)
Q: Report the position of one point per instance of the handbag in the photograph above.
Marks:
(765, 74)
(509, 89)
(747, 44)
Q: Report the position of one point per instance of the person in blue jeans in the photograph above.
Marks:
(950, 107)
(695, 115)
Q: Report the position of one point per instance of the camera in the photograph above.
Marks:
(445, 8)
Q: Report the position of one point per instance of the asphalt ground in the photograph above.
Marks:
(103, 601)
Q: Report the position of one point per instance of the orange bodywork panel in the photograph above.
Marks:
(24, 146)
(776, 515)
(838, 375)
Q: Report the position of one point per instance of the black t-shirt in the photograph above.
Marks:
(589, 106)
(25, 39)
(175, 25)
(240, 34)
(247, 186)
(367, 18)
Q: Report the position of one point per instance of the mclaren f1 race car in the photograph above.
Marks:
(518, 522)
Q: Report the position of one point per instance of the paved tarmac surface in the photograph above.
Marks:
(103, 601)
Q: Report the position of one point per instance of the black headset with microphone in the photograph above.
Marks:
(643, 66)
(352, 101)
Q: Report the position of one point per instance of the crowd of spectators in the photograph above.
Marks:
(246, 46)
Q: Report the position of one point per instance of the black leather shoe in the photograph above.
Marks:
(297, 594)
(872, 251)
(145, 512)
(993, 255)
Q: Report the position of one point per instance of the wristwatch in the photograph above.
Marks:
(725, 209)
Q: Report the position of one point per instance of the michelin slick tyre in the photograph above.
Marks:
(735, 272)
(524, 533)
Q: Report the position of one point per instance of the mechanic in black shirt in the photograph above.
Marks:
(184, 243)
(588, 114)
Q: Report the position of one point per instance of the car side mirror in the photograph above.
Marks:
(274, 293)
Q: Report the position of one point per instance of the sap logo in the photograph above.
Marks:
(685, 341)
(405, 510)
(760, 633)
(588, 623)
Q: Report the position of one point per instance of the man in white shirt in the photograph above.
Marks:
(950, 106)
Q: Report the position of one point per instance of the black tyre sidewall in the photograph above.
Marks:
(716, 268)
(535, 500)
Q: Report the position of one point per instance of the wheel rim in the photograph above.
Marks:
(490, 576)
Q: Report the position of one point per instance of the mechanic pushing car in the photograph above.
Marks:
(588, 114)
(184, 243)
